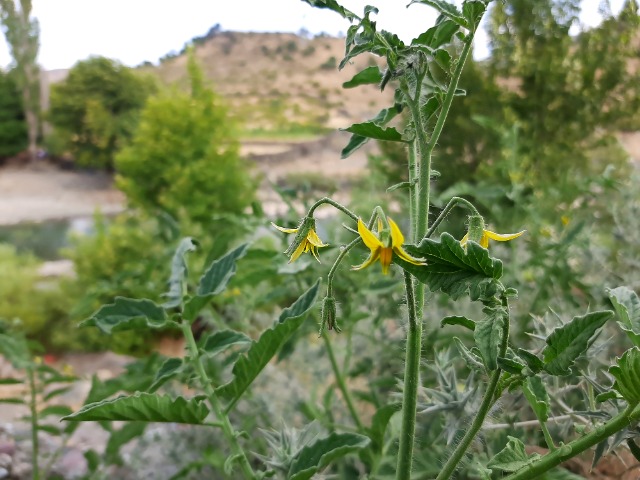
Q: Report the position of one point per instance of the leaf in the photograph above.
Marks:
(510, 365)
(93, 460)
(367, 76)
(121, 437)
(473, 361)
(14, 348)
(379, 424)
(220, 341)
(627, 305)
(383, 117)
(452, 269)
(537, 396)
(169, 369)
(371, 130)
(489, 335)
(56, 392)
(512, 458)
(458, 320)
(214, 281)
(447, 9)
(250, 364)
(179, 273)
(532, 360)
(128, 314)
(335, 6)
(472, 11)
(437, 36)
(144, 407)
(567, 343)
(313, 458)
(55, 410)
(627, 375)
(10, 381)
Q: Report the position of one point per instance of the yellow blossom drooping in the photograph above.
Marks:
(306, 239)
(487, 234)
(383, 246)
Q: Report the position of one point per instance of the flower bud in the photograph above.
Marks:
(476, 228)
(329, 315)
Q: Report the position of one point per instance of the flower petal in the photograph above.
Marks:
(370, 240)
(285, 230)
(373, 256)
(501, 237)
(386, 255)
(397, 239)
(303, 247)
(465, 239)
(484, 240)
(314, 239)
(408, 258)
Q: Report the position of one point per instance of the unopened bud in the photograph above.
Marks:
(476, 228)
(329, 315)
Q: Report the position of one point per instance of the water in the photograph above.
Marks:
(44, 239)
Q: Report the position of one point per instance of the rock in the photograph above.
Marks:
(4, 473)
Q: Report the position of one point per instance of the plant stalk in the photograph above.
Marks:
(227, 428)
(33, 407)
(346, 395)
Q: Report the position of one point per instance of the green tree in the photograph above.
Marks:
(95, 110)
(13, 127)
(23, 33)
(184, 156)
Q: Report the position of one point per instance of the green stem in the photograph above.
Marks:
(33, 407)
(413, 173)
(341, 383)
(487, 401)
(227, 428)
(335, 265)
(411, 382)
(452, 203)
(339, 206)
(570, 450)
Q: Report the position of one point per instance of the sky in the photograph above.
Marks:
(133, 31)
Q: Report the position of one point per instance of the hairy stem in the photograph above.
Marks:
(411, 382)
(570, 450)
(227, 428)
(452, 203)
(327, 200)
(33, 407)
(346, 394)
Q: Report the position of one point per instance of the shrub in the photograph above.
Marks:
(13, 127)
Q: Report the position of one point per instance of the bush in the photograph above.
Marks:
(95, 110)
(13, 126)
(184, 157)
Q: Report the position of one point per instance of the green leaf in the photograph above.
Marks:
(144, 407)
(13, 400)
(510, 365)
(55, 410)
(214, 281)
(473, 361)
(567, 343)
(447, 9)
(458, 320)
(93, 460)
(56, 392)
(627, 375)
(383, 117)
(335, 6)
(169, 369)
(367, 76)
(532, 360)
(371, 130)
(250, 364)
(15, 349)
(437, 36)
(10, 381)
(512, 458)
(379, 424)
(313, 458)
(472, 11)
(179, 273)
(121, 437)
(537, 396)
(489, 335)
(627, 305)
(452, 269)
(220, 341)
(128, 314)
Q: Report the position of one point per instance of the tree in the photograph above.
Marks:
(95, 109)
(22, 34)
(184, 156)
(13, 127)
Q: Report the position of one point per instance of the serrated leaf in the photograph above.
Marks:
(379, 424)
(447, 9)
(627, 375)
(144, 407)
(251, 363)
(437, 36)
(512, 458)
(128, 314)
(627, 305)
(214, 281)
(567, 343)
(371, 130)
(169, 369)
(489, 335)
(316, 456)
(367, 76)
(179, 273)
(452, 269)
(121, 437)
(335, 6)
(220, 341)
(458, 320)
(472, 11)
(537, 396)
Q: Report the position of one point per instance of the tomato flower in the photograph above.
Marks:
(384, 245)
(487, 234)
(306, 239)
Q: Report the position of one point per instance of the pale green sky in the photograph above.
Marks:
(136, 30)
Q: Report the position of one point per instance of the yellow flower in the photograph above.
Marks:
(384, 246)
(306, 239)
(487, 234)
